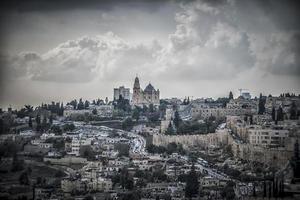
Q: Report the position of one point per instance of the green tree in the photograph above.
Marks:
(293, 111)
(192, 184)
(94, 111)
(280, 115)
(123, 149)
(86, 104)
(273, 114)
(230, 95)
(80, 105)
(30, 122)
(170, 129)
(87, 152)
(17, 165)
(127, 124)
(151, 108)
(126, 180)
(56, 129)
(69, 127)
(261, 105)
(23, 179)
(177, 120)
(228, 191)
(136, 114)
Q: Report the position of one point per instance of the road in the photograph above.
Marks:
(138, 144)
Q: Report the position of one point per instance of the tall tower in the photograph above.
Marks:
(136, 91)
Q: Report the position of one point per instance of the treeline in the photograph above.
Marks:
(180, 127)
(54, 108)
(288, 95)
(171, 148)
(81, 104)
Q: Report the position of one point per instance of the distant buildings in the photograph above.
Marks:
(144, 97)
(269, 137)
(246, 95)
(122, 91)
(101, 110)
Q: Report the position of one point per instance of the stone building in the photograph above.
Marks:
(144, 97)
(122, 91)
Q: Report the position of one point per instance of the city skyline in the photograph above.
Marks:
(61, 51)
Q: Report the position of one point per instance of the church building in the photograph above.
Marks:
(144, 97)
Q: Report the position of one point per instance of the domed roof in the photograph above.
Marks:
(149, 88)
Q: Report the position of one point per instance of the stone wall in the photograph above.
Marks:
(66, 160)
(277, 157)
(202, 141)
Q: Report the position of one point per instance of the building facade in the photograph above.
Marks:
(122, 91)
(144, 97)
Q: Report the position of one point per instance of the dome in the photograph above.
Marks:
(149, 88)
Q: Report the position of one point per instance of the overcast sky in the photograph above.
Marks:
(60, 50)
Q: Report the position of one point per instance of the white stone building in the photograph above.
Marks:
(144, 97)
(268, 137)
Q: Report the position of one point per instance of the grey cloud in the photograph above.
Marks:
(82, 60)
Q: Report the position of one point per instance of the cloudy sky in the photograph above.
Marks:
(60, 50)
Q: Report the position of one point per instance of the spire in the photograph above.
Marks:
(136, 83)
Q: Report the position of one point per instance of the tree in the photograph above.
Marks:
(56, 129)
(151, 108)
(127, 124)
(230, 95)
(86, 104)
(177, 120)
(94, 111)
(136, 114)
(261, 105)
(126, 180)
(17, 165)
(51, 119)
(30, 122)
(61, 110)
(228, 191)
(69, 127)
(87, 152)
(23, 179)
(74, 103)
(280, 116)
(89, 197)
(80, 105)
(293, 111)
(192, 184)
(170, 130)
(123, 149)
(273, 114)
(38, 119)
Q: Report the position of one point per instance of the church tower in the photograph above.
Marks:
(136, 91)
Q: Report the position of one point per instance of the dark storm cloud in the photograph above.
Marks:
(55, 5)
(171, 42)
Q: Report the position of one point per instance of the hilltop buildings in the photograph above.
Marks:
(144, 97)
(139, 97)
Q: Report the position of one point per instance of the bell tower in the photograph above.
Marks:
(136, 91)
